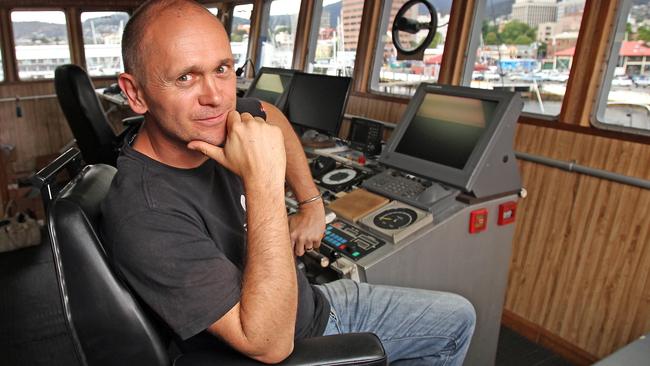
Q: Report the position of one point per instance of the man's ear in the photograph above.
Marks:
(133, 93)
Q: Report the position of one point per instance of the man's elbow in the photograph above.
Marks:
(275, 354)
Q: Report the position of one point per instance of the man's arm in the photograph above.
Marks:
(308, 225)
(262, 324)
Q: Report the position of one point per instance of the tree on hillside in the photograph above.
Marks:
(516, 32)
(522, 39)
(491, 39)
(513, 32)
(489, 31)
(643, 34)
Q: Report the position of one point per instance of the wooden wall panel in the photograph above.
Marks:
(41, 130)
(581, 260)
(375, 108)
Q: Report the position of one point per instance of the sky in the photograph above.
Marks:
(57, 17)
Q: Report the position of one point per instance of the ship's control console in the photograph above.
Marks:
(345, 239)
(434, 210)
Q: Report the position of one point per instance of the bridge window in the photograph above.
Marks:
(625, 98)
(41, 40)
(394, 76)
(528, 47)
(102, 35)
(278, 34)
(335, 36)
(240, 32)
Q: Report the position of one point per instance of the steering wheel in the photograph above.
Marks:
(409, 44)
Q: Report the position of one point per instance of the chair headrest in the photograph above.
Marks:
(84, 113)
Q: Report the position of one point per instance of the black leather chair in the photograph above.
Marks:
(107, 324)
(86, 118)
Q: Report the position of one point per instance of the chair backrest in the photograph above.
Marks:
(107, 324)
(85, 115)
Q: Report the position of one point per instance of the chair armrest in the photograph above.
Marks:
(342, 349)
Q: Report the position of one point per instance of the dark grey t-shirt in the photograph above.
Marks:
(178, 238)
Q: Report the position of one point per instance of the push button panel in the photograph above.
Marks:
(349, 241)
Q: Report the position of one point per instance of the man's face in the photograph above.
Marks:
(190, 84)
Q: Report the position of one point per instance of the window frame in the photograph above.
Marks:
(317, 12)
(3, 54)
(231, 11)
(475, 39)
(597, 117)
(378, 56)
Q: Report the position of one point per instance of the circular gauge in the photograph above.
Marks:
(395, 218)
(338, 176)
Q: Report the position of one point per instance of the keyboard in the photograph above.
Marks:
(394, 185)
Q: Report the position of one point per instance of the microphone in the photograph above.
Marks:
(240, 70)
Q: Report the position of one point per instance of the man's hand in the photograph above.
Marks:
(254, 150)
(307, 227)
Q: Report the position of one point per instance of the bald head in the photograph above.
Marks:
(134, 45)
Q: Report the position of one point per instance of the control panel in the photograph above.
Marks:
(349, 241)
(421, 193)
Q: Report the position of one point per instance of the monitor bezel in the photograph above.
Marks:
(459, 178)
(339, 120)
(275, 71)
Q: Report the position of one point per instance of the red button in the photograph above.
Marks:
(478, 220)
(507, 212)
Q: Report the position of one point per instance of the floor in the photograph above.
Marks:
(33, 331)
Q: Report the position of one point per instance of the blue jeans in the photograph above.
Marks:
(416, 327)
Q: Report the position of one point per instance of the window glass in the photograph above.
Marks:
(2, 72)
(214, 11)
(337, 38)
(402, 77)
(102, 35)
(627, 101)
(239, 32)
(41, 39)
(527, 46)
(279, 35)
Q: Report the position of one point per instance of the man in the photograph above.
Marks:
(195, 218)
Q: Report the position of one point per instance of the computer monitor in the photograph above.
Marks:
(271, 85)
(456, 135)
(317, 102)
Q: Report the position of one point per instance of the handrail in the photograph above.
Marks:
(31, 97)
(571, 166)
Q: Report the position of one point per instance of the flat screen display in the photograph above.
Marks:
(446, 129)
(270, 86)
(317, 102)
(359, 133)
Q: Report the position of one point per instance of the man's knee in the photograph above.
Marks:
(463, 314)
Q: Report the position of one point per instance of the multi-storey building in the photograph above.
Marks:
(534, 12)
